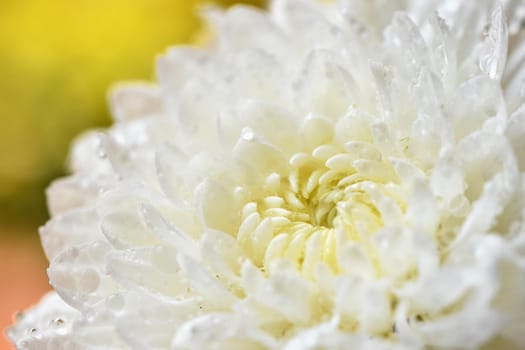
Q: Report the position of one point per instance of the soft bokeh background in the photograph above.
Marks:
(57, 60)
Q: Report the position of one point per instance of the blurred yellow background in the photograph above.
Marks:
(57, 60)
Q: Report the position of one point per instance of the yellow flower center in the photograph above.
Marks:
(329, 195)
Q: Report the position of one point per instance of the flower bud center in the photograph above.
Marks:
(301, 216)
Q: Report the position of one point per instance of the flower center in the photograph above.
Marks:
(328, 195)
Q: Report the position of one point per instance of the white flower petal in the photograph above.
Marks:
(130, 101)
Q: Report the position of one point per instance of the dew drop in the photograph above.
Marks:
(57, 321)
(89, 281)
(115, 302)
(101, 153)
(247, 134)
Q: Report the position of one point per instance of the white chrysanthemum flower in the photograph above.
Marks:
(327, 176)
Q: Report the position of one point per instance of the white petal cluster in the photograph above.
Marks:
(344, 175)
